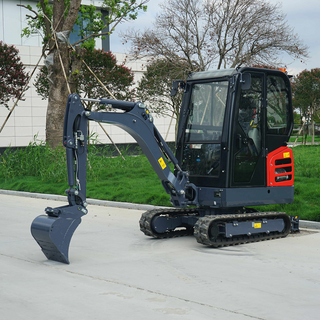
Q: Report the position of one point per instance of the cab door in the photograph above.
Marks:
(248, 167)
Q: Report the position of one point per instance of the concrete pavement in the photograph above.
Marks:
(116, 272)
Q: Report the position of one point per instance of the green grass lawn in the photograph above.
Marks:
(39, 169)
(302, 139)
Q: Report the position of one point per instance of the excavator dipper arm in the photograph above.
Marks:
(53, 231)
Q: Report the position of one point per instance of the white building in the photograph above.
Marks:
(29, 117)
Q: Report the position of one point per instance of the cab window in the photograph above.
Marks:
(277, 106)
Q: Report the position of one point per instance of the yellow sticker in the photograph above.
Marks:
(257, 225)
(162, 163)
(286, 154)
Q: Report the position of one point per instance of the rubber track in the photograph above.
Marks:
(203, 225)
(147, 217)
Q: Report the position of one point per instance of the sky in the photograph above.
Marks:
(302, 15)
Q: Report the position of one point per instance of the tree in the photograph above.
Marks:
(155, 86)
(13, 77)
(64, 63)
(306, 95)
(117, 78)
(218, 34)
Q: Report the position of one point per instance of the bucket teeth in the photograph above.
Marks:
(54, 233)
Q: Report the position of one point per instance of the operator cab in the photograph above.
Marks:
(230, 121)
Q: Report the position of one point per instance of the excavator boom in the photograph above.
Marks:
(53, 232)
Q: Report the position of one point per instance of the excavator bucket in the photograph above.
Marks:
(53, 232)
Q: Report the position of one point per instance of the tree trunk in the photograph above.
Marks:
(312, 115)
(58, 94)
(59, 76)
(312, 130)
(306, 133)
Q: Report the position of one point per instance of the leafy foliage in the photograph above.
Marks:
(306, 88)
(56, 19)
(306, 94)
(89, 23)
(12, 74)
(155, 86)
(122, 10)
(38, 22)
(117, 78)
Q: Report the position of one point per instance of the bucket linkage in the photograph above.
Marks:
(53, 231)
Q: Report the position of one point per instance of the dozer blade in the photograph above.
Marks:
(54, 233)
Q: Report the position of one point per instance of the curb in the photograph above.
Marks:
(105, 203)
(126, 205)
(309, 224)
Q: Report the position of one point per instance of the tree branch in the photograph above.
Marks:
(30, 9)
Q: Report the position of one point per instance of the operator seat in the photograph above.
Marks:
(249, 120)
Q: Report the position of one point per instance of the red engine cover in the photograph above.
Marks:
(280, 170)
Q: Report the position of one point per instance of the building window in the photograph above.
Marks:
(79, 32)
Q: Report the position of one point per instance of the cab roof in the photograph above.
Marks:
(210, 74)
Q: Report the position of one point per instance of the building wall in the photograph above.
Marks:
(29, 117)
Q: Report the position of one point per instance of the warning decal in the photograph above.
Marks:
(162, 163)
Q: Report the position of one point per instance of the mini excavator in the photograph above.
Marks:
(231, 154)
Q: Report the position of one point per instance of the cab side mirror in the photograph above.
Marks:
(176, 84)
(245, 80)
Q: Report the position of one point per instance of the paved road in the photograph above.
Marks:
(118, 273)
